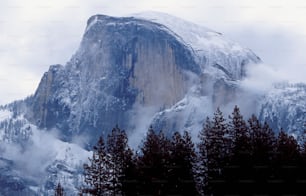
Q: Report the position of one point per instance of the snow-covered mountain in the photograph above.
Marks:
(149, 68)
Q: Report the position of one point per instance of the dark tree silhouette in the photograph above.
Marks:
(239, 165)
(287, 149)
(287, 163)
(263, 141)
(153, 164)
(263, 151)
(234, 158)
(181, 177)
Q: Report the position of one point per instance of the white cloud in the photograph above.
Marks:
(260, 78)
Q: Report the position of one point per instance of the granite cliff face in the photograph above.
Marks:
(126, 64)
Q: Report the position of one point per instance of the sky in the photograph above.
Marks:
(35, 34)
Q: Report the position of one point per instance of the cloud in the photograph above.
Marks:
(280, 49)
(34, 157)
(260, 78)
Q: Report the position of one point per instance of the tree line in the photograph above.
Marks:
(231, 157)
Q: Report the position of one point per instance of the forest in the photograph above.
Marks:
(231, 156)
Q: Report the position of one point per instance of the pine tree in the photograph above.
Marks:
(183, 159)
(239, 134)
(153, 164)
(240, 163)
(117, 147)
(287, 162)
(59, 190)
(98, 174)
(263, 151)
(190, 164)
(218, 155)
(287, 149)
(214, 150)
(201, 171)
(263, 142)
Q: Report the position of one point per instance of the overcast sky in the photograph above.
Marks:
(35, 34)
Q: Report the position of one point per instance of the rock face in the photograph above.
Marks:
(124, 64)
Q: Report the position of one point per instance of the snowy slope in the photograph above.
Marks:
(285, 107)
(212, 50)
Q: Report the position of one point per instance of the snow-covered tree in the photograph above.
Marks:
(117, 147)
(213, 148)
(99, 173)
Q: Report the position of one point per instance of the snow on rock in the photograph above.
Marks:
(285, 107)
(210, 47)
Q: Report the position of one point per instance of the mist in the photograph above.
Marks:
(39, 152)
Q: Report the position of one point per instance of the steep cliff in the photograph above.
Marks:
(126, 64)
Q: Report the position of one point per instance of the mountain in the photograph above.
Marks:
(149, 68)
(124, 65)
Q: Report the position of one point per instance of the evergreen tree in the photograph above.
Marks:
(218, 156)
(153, 164)
(98, 175)
(239, 134)
(201, 171)
(59, 190)
(287, 149)
(240, 164)
(117, 147)
(214, 149)
(181, 177)
(286, 164)
(264, 144)
(263, 150)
